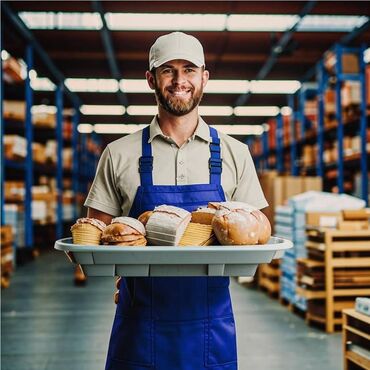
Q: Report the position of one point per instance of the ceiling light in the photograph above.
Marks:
(92, 84)
(107, 128)
(227, 86)
(4, 55)
(62, 20)
(42, 84)
(274, 86)
(134, 86)
(256, 111)
(191, 22)
(165, 22)
(367, 55)
(286, 111)
(240, 129)
(208, 110)
(261, 22)
(331, 23)
(142, 110)
(109, 110)
(85, 128)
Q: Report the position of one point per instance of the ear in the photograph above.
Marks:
(205, 77)
(150, 78)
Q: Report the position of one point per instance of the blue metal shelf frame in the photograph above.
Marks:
(59, 174)
(265, 149)
(75, 161)
(294, 168)
(341, 77)
(322, 78)
(29, 158)
(279, 144)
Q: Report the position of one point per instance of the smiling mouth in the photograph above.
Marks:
(181, 93)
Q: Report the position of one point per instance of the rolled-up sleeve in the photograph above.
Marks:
(104, 195)
(248, 188)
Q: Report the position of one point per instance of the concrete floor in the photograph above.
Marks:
(49, 324)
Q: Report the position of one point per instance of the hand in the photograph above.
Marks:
(116, 294)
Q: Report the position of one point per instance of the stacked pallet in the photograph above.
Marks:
(7, 255)
(356, 340)
(269, 278)
(335, 272)
(290, 223)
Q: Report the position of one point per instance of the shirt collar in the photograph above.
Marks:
(202, 130)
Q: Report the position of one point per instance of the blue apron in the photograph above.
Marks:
(174, 323)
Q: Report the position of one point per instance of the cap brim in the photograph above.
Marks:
(191, 59)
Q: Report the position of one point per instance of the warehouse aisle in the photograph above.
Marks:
(48, 324)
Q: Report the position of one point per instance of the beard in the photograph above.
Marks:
(177, 106)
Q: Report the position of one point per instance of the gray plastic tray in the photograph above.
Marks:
(219, 260)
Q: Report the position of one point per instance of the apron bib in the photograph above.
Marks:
(174, 323)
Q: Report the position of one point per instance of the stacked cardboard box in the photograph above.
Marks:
(278, 189)
(14, 216)
(7, 255)
(15, 147)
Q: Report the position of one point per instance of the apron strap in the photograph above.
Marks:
(215, 161)
(146, 160)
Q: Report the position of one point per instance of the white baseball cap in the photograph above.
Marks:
(176, 45)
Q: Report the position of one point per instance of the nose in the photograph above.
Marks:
(178, 78)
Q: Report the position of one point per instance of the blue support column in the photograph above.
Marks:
(75, 161)
(363, 128)
(29, 158)
(293, 138)
(59, 173)
(2, 173)
(265, 150)
(340, 130)
(279, 144)
(321, 75)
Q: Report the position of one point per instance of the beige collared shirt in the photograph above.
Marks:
(117, 177)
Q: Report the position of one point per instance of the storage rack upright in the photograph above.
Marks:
(340, 77)
(27, 165)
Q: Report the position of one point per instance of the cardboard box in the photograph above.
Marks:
(6, 234)
(323, 219)
(12, 70)
(14, 110)
(15, 147)
(350, 62)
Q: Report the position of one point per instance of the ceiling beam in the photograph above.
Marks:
(277, 50)
(109, 50)
(27, 35)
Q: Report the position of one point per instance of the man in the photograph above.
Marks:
(177, 323)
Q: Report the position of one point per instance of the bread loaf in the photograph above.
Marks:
(166, 225)
(203, 215)
(237, 223)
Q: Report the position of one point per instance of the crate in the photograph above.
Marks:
(336, 271)
(6, 255)
(356, 340)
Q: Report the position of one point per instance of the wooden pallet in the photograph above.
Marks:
(356, 338)
(339, 254)
(269, 278)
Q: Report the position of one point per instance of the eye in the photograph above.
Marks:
(166, 71)
(189, 70)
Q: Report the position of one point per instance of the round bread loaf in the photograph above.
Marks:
(264, 233)
(144, 217)
(236, 227)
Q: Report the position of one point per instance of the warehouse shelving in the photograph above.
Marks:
(27, 169)
(305, 133)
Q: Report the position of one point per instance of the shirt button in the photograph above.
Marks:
(182, 177)
(181, 162)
